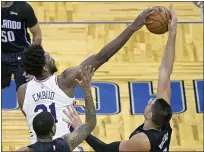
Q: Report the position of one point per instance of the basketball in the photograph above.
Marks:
(160, 19)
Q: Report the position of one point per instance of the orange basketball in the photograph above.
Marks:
(160, 19)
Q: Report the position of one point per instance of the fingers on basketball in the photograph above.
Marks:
(157, 22)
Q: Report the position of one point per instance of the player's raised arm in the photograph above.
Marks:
(111, 48)
(114, 46)
(166, 67)
(83, 130)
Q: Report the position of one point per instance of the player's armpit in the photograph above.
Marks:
(68, 76)
(163, 88)
(21, 95)
(78, 135)
(139, 142)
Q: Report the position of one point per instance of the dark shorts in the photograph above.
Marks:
(7, 69)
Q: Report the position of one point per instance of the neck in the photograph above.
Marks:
(43, 76)
(149, 125)
(6, 4)
(44, 139)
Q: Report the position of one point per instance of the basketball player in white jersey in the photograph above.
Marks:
(48, 92)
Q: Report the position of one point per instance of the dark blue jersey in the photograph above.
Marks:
(57, 145)
(14, 23)
(159, 139)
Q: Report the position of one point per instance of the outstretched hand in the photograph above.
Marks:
(173, 22)
(85, 81)
(72, 117)
(140, 21)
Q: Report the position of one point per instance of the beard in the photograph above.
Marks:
(53, 69)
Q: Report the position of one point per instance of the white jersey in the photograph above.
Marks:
(46, 95)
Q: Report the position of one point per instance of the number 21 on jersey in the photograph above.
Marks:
(44, 108)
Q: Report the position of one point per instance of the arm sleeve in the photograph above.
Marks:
(100, 146)
(30, 17)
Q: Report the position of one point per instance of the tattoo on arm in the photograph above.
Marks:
(78, 136)
(81, 133)
(90, 109)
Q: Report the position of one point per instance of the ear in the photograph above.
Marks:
(150, 115)
(53, 130)
(45, 68)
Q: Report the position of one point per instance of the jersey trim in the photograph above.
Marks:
(43, 80)
(56, 81)
(25, 35)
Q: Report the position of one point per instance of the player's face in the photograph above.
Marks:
(147, 111)
(50, 62)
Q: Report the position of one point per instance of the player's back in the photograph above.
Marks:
(159, 139)
(46, 95)
(57, 145)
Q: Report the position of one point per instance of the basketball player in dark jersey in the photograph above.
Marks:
(154, 134)
(16, 17)
(45, 128)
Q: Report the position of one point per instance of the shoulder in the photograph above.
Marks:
(138, 142)
(25, 8)
(71, 70)
(25, 149)
(22, 88)
(26, 5)
(61, 142)
(21, 94)
(67, 78)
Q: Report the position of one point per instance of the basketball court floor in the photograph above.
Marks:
(74, 30)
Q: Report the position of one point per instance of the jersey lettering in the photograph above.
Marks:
(8, 24)
(45, 109)
(7, 36)
(165, 138)
(43, 95)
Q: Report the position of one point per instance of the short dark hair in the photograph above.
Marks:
(161, 112)
(43, 123)
(33, 60)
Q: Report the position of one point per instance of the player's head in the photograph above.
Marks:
(44, 125)
(158, 111)
(37, 62)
